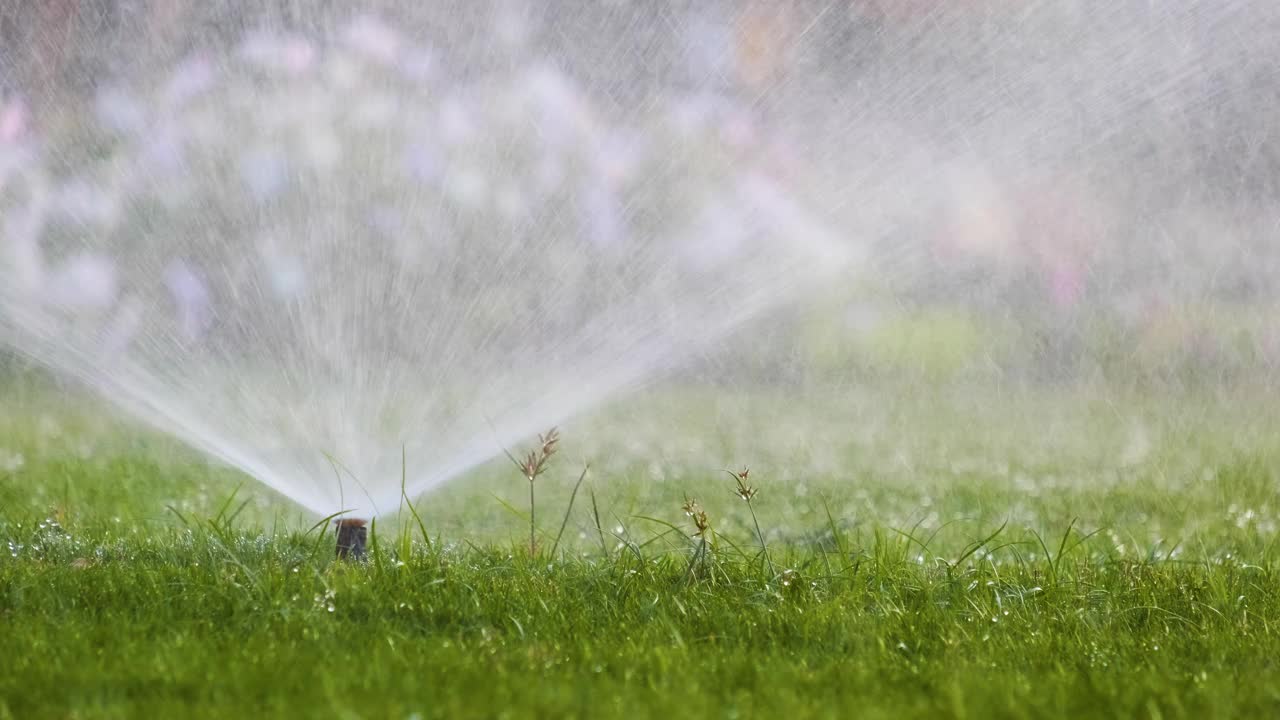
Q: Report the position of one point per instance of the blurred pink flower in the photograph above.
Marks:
(1062, 228)
(298, 55)
(738, 130)
(1066, 285)
(293, 55)
(13, 121)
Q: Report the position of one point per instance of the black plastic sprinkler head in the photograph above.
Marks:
(352, 536)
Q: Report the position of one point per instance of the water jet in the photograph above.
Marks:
(297, 253)
(312, 247)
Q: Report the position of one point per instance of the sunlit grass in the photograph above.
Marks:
(136, 581)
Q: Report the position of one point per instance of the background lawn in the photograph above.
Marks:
(1040, 553)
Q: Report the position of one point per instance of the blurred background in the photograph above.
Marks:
(1074, 193)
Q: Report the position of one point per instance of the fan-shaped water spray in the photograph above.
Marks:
(307, 260)
(308, 250)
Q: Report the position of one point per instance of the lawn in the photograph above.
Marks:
(965, 552)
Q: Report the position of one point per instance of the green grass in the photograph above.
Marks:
(1032, 555)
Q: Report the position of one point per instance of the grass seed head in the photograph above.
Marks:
(535, 463)
(699, 516)
(743, 490)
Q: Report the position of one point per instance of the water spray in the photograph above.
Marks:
(1020, 147)
(352, 536)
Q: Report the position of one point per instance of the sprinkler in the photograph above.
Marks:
(352, 536)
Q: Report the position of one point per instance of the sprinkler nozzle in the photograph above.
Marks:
(352, 536)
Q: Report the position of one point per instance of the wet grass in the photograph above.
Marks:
(135, 581)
